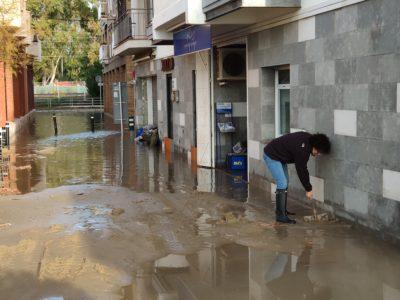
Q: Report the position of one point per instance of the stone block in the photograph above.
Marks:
(391, 186)
(345, 122)
(333, 97)
(267, 131)
(382, 97)
(369, 14)
(386, 211)
(324, 121)
(325, 25)
(268, 114)
(253, 149)
(276, 36)
(334, 192)
(355, 97)
(314, 50)
(325, 73)
(369, 179)
(253, 78)
(390, 155)
(318, 185)
(181, 119)
(390, 67)
(384, 39)
(398, 98)
(356, 201)
(307, 117)
(369, 69)
(345, 71)
(290, 33)
(369, 124)
(346, 19)
(391, 125)
(351, 44)
(294, 75)
(313, 97)
(306, 29)
(307, 74)
(356, 150)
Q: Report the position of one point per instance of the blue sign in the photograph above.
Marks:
(192, 39)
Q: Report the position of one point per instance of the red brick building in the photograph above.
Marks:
(16, 93)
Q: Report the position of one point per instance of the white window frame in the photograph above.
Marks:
(278, 88)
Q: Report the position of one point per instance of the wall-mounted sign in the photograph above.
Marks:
(192, 39)
(167, 64)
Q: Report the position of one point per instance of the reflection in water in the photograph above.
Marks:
(41, 160)
(233, 271)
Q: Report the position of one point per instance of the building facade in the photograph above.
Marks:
(16, 86)
(330, 66)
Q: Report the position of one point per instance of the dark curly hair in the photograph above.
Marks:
(320, 142)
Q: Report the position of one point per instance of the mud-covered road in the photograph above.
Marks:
(95, 216)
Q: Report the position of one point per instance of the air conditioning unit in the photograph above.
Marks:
(231, 64)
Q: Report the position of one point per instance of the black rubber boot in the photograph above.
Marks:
(281, 216)
(288, 212)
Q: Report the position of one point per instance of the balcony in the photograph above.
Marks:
(103, 10)
(105, 54)
(130, 34)
(247, 11)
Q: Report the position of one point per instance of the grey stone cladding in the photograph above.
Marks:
(352, 65)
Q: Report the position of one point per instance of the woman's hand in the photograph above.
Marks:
(309, 195)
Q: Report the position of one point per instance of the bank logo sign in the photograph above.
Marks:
(192, 39)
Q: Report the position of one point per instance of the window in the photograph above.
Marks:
(282, 101)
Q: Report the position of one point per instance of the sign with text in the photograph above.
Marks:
(192, 39)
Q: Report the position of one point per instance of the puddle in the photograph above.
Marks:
(233, 271)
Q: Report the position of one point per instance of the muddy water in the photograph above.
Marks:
(93, 216)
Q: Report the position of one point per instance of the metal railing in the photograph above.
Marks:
(132, 25)
(69, 103)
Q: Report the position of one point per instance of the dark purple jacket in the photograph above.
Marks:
(293, 148)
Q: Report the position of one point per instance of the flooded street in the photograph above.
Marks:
(88, 215)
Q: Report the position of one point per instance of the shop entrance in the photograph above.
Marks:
(170, 108)
(230, 94)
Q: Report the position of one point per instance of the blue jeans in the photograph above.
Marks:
(279, 172)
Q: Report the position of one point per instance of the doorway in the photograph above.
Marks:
(170, 108)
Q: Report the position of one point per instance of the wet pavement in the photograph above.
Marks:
(95, 216)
